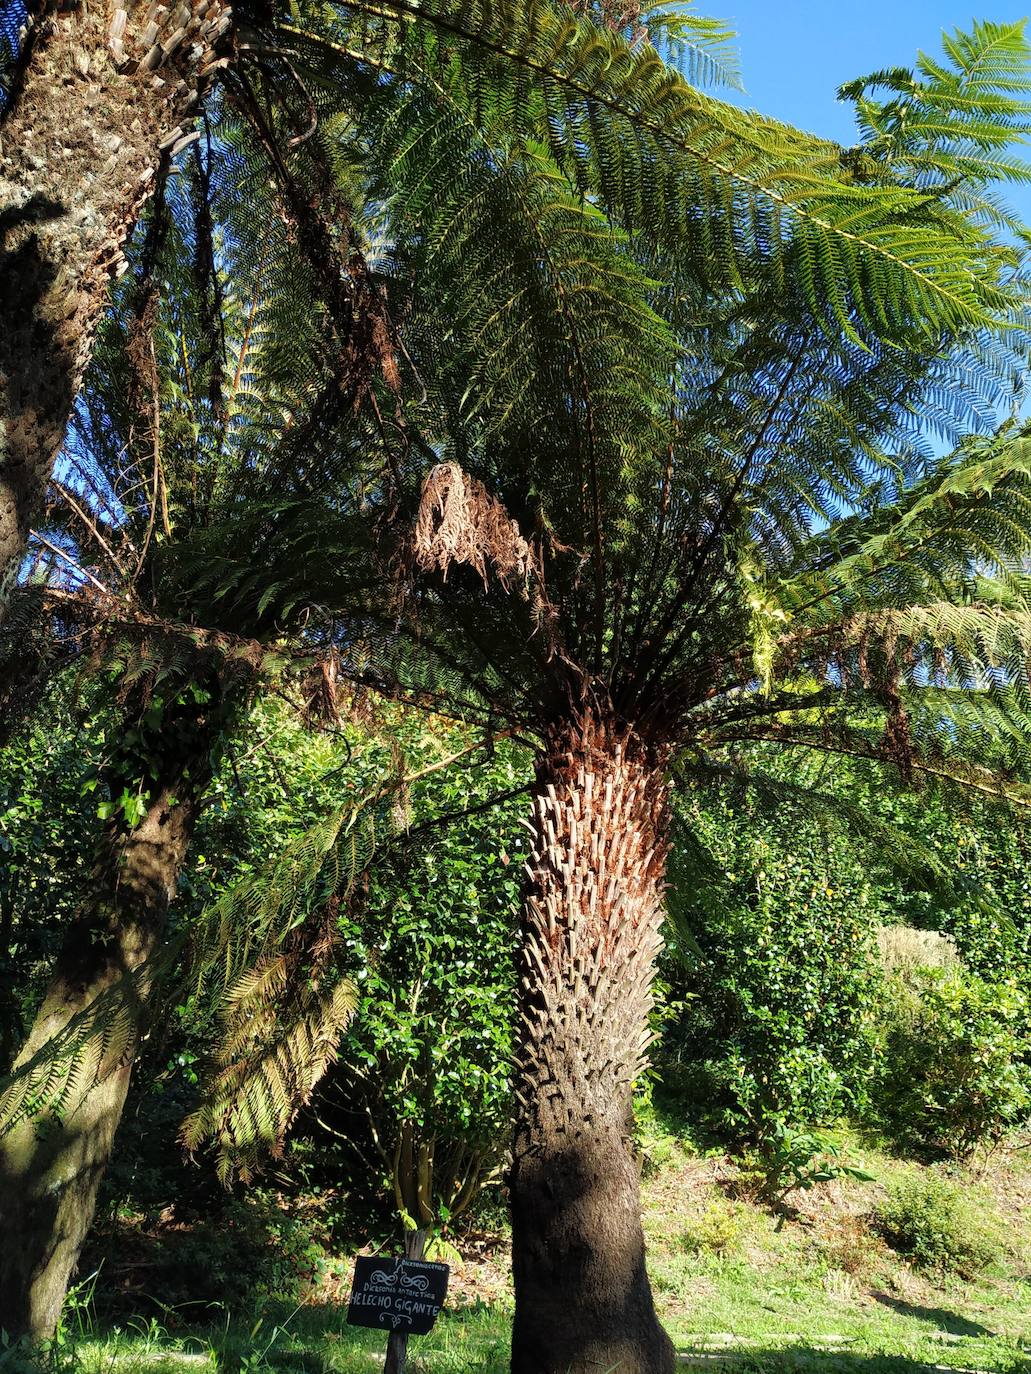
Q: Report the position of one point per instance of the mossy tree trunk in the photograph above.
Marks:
(107, 93)
(51, 1165)
(591, 932)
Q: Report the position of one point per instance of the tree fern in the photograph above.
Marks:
(668, 365)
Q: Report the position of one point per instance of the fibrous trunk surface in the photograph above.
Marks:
(51, 1165)
(591, 932)
(108, 93)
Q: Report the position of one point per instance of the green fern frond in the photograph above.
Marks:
(56, 1077)
(617, 121)
(228, 957)
(701, 49)
(947, 123)
(267, 1074)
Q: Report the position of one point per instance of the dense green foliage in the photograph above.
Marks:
(46, 821)
(930, 1219)
(782, 1009)
(954, 1068)
(774, 1013)
(422, 1082)
(770, 1015)
(429, 948)
(774, 1008)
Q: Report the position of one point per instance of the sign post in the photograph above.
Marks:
(402, 1296)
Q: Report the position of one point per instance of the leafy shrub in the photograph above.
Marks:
(983, 846)
(929, 1219)
(717, 1231)
(951, 1073)
(767, 1005)
(775, 1009)
(786, 1158)
(419, 1103)
(850, 1247)
(415, 1118)
(47, 822)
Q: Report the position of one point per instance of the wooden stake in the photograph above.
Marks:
(397, 1341)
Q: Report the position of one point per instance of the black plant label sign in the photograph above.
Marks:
(397, 1294)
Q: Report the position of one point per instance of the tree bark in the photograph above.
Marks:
(51, 1166)
(590, 935)
(107, 94)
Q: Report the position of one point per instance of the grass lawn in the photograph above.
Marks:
(737, 1285)
(737, 1289)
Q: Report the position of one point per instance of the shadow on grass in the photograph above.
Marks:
(280, 1339)
(799, 1360)
(940, 1317)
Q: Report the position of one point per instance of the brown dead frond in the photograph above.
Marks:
(460, 522)
(320, 693)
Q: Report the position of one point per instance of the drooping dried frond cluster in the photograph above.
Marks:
(459, 521)
(320, 691)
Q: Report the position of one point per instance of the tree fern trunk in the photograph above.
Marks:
(51, 1166)
(591, 931)
(107, 89)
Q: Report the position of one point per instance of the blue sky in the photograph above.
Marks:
(795, 53)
